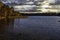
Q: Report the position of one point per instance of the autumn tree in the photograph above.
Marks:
(1, 4)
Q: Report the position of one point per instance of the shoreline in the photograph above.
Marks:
(36, 14)
(41, 14)
(13, 17)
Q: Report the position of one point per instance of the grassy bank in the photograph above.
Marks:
(17, 17)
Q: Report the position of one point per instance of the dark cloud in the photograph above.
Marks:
(23, 1)
(4, 0)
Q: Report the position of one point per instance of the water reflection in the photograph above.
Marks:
(6, 28)
(31, 28)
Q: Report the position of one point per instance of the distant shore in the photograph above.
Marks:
(41, 14)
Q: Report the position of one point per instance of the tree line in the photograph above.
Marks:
(5, 11)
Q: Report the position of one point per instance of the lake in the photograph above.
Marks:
(30, 28)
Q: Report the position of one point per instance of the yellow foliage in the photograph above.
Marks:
(1, 4)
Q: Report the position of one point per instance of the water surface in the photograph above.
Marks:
(31, 28)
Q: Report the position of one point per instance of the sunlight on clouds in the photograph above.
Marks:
(51, 1)
(29, 2)
(35, 0)
(24, 7)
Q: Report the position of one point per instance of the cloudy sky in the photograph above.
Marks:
(19, 1)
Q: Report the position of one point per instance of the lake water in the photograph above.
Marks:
(30, 28)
